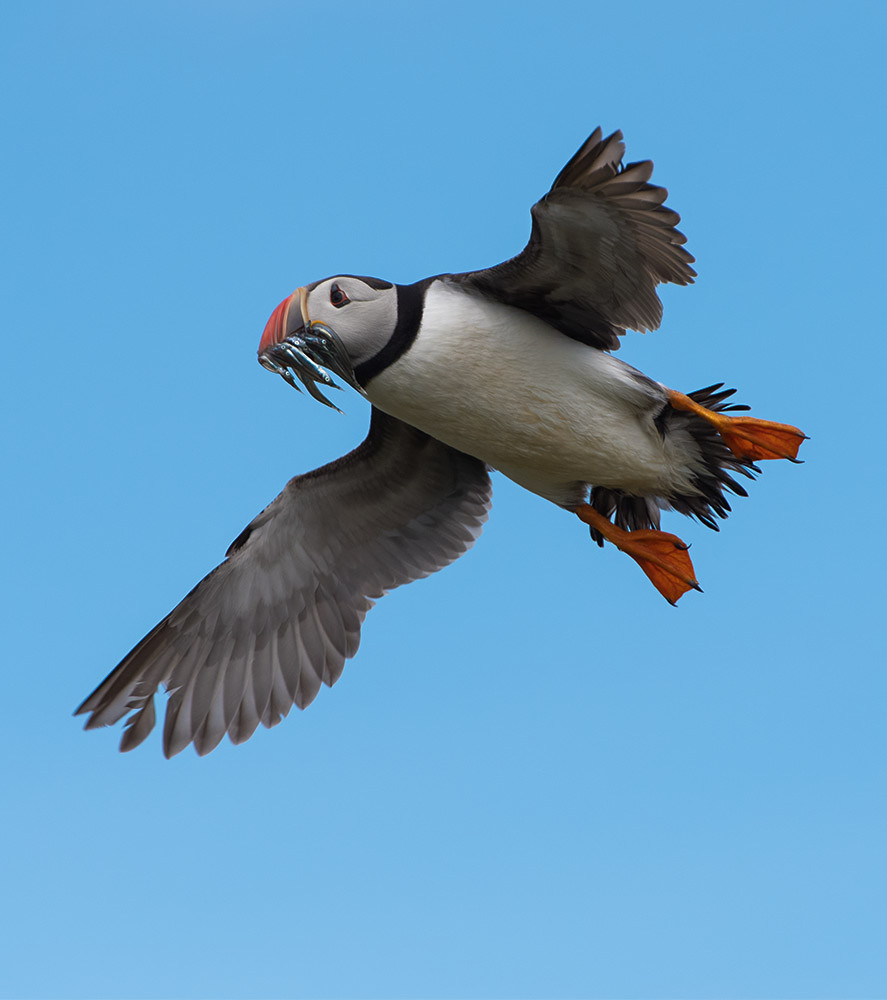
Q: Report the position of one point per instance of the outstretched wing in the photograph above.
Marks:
(283, 612)
(602, 240)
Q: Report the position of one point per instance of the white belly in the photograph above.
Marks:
(550, 413)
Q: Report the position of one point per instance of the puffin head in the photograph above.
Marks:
(334, 324)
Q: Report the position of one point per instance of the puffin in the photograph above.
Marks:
(509, 368)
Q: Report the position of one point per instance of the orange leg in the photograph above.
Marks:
(747, 437)
(663, 557)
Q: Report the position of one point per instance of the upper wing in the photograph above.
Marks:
(283, 612)
(601, 242)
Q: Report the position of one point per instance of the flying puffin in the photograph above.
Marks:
(507, 368)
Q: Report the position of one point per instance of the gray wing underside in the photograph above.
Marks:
(602, 240)
(283, 612)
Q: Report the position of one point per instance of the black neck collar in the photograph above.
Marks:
(410, 304)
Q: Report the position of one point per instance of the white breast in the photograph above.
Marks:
(550, 413)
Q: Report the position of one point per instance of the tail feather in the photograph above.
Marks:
(718, 466)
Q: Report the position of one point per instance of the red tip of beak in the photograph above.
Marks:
(275, 328)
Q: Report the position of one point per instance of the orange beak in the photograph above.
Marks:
(291, 315)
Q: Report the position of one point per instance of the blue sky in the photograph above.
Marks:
(536, 778)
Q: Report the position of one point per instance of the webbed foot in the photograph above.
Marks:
(747, 437)
(662, 556)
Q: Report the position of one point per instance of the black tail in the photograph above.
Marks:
(632, 512)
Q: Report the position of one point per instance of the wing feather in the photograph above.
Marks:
(279, 617)
(601, 242)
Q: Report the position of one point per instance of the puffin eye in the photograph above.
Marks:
(338, 298)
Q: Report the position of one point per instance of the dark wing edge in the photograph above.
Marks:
(283, 612)
(602, 240)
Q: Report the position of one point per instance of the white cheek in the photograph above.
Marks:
(361, 332)
(363, 326)
(322, 313)
(319, 308)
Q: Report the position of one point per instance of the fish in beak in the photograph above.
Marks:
(294, 347)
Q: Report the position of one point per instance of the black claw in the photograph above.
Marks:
(696, 587)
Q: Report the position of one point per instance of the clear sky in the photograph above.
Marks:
(536, 779)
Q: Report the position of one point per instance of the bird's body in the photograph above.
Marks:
(548, 411)
(509, 368)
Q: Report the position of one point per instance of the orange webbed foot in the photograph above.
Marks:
(662, 556)
(755, 440)
(747, 437)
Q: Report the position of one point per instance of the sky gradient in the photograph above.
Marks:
(536, 779)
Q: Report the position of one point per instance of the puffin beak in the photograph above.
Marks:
(288, 318)
(299, 350)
